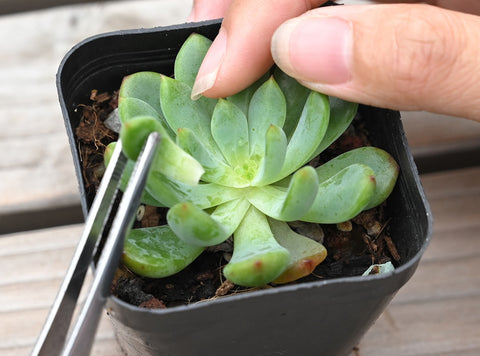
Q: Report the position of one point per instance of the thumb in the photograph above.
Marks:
(404, 57)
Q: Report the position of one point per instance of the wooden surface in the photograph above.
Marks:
(436, 313)
(13, 6)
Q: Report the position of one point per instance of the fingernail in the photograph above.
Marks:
(207, 74)
(314, 49)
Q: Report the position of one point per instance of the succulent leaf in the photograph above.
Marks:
(144, 86)
(267, 107)
(295, 97)
(305, 253)
(224, 165)
(216, 171)
(342, 114)
(287, 204)
(242, 99)
(383, 165)
(230, 130)
(132, 107)
(190, 57)
(342, 196)
(205, 195)
(157, 252)
(257, 257)
(308, 134)
(147, 198)
(170, 159)
(182, 112)
(197, 227)
(273, 158)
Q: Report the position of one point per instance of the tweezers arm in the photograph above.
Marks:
(81, 340)
(55, 329)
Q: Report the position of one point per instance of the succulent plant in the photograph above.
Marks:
(239, 167)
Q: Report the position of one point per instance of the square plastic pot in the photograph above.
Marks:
(319, 318)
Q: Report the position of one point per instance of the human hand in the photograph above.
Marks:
(399, 56)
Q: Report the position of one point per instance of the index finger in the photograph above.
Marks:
(241, 52)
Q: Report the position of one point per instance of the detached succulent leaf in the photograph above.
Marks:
(257, 257)
(156, 252)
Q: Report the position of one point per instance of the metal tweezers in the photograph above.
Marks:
(53, 338)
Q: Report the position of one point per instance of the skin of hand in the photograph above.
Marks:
(397, 56)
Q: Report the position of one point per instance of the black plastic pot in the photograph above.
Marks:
(318, 318)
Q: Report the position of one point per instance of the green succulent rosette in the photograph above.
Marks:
(238, 167)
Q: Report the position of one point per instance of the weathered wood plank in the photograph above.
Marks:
(435, 327)
(20, 329)
(435, 313)
(34, 265)
(12, 6)
(426, 129)
(36, 170)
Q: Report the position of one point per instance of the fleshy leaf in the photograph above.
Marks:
(190, 57)
(342, 114)
(383, 165)
(242, 99)
(267, 107)
(171, 192)
(305, 253)
(147, 198)
(230, 130)
(170, 159)
(197, 227)
(182, 112)
(287, 204)
(343, 196)
(216, 171)
(308, 134)
(273, 158)
(156, 252)
(295, 96)
(257, 257)
(133, 107)
(144, 86)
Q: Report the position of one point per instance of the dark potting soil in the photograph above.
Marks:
(352, 247)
